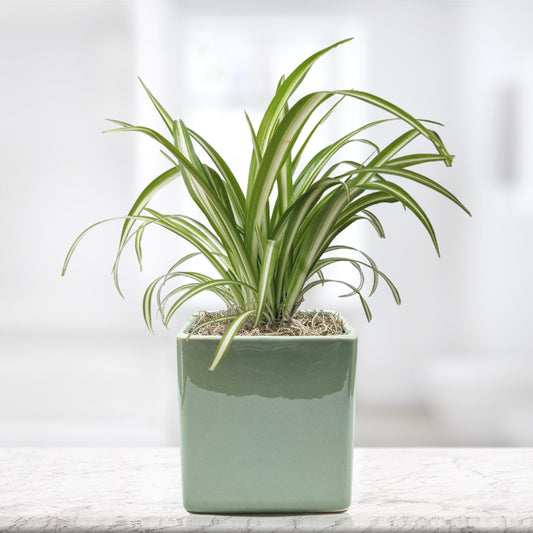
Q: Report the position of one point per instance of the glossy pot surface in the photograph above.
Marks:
(271, 429)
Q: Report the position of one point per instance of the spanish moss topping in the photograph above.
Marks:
(302, 324)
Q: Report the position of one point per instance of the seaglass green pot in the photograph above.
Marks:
(271, 429)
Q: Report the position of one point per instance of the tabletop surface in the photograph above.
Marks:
(138, 489)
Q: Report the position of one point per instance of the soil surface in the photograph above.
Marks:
(303, 323)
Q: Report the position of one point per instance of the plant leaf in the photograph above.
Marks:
(273, 159)
(200, 287)
(236, 196)
(408, 201)
(228, 337)
(160, 109)
(266, 277)
(209, 322)
(275, 108)
(423, 180)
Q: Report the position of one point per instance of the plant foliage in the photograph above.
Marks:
(271, 244)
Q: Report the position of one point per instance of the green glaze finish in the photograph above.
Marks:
(271, 429)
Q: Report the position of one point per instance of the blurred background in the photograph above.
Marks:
(453, 365)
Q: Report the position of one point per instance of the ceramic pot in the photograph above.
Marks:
(271, 429)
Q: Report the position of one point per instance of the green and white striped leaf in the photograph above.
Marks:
(147, 298)
(275, 108)
(274, 157)
(408, 201)
(228, 337)
(77, 240)
(266, 277)
(235, 193)
(199, 325)
(423, 180)
(167, 119)
(200, 287)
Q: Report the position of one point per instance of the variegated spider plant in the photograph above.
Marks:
(270, 244)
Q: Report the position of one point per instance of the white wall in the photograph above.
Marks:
(450, 366)
(65, 67)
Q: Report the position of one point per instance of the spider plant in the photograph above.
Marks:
(270, 244)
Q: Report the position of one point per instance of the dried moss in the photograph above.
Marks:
(303, 323)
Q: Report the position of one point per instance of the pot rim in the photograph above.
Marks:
(349, 334)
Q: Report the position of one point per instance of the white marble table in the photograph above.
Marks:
(138, 489)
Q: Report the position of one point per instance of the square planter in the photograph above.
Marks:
(271, 429)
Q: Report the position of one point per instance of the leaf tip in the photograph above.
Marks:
(142, 83)
(347, 40)
(214, 363)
